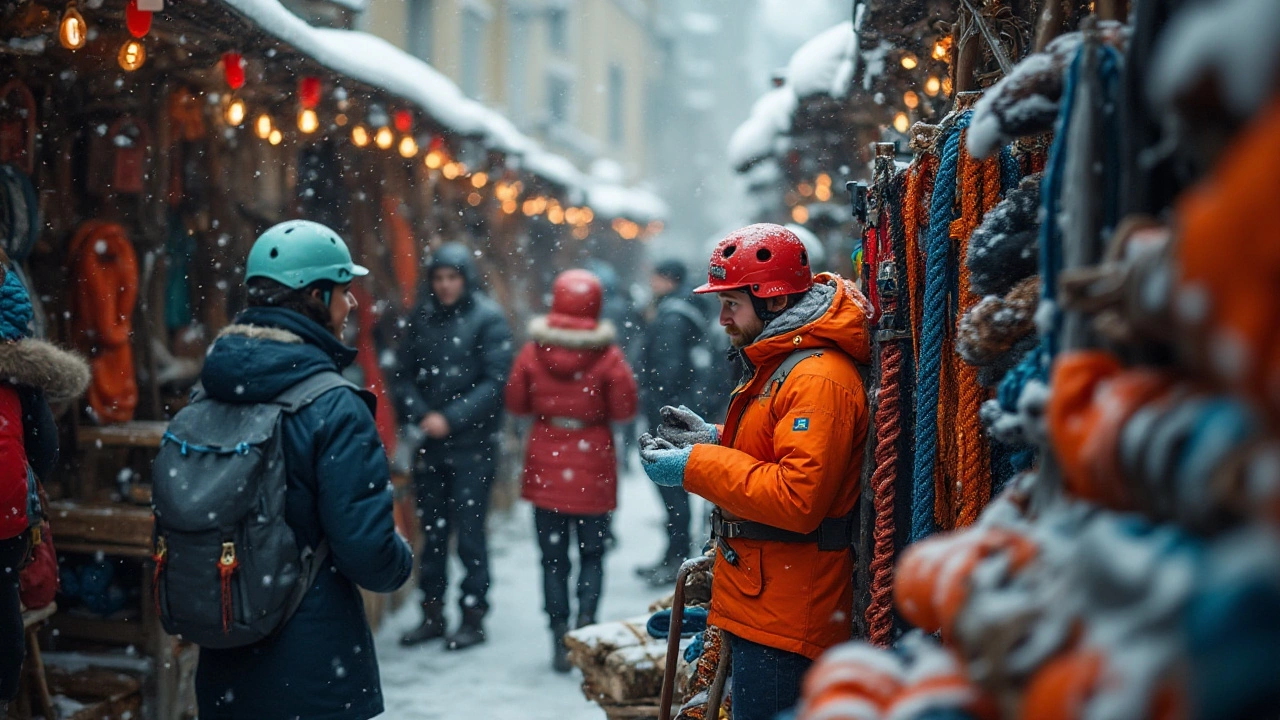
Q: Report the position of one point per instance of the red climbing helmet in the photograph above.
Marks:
(766, 259)
(576, 297)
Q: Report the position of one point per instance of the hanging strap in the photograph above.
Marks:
(304, 393)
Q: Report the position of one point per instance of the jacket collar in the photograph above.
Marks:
(63, 375)
(296, 325)
(602, 335)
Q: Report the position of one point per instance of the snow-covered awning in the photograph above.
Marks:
(378, 63)
(824, 65)
(631, 203)
(757, 138)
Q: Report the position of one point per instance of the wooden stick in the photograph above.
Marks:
(715, 694)
(673, 634)
(1051, 25)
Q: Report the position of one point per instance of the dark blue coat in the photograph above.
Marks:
(321, 665)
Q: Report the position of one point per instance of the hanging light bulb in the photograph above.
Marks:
(73, 30)
(911, 100)
(384, 138)
(822, 192)
(941, 48)
(132, 55)
(434, 160)
(360, 136)
(509, 207)
(403, 120)
(901, 123)
(451, 171)
(308, 122)
(408, 146)
(309, 92)
(474, 199)
(909, 61)
(582, 232)
(340, 119)
(263, 126)
(479, 180)
(138, 21)
(235, 112)
(275, 137)
(555, 215)
(800, 214)
(233, 70)
(932, 86)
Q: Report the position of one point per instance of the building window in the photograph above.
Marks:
(559, 98)
(421, 25)
(558, 29)
(473, 27)
(517, 62)
(617, 105)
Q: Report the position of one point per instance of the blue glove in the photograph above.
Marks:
(663, 462)
(683, 427)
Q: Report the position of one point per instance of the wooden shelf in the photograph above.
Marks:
(117, 526)
(132, 434)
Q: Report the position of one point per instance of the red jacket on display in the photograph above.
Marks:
(574, 381)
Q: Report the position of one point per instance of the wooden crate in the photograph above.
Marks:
(105, 694)
(116, 528)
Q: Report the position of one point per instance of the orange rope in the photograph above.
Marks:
(919, 186)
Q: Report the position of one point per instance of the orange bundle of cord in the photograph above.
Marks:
(104, 290)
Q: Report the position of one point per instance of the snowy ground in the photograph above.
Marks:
(510, 677)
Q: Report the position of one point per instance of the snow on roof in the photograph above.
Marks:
(376, 62)
(631, 203)
(357, 5)
(825, 64)
(757, 138)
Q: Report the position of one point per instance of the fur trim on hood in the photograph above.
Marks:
(603, 335)
(62, 374)
(812, 306)
(258, 332)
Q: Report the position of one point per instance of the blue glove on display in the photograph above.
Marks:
(683, 427)
(663, 462)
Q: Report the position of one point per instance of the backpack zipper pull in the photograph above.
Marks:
(226, 566)
(162, 550)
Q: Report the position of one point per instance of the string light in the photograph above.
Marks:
(72, 31)
(275, 137)
(340, 120)
(509, 207)
(822, 192)
(800, 214)
(805, 189)
(384, 138)
(946, 85)
(473, 199)
(901, 122)
(941, 48)
(263, 126)
(582, 232)
(909, 61)
(434, 160)
(233, 70)
(360, 136)
(408, 147)
(451, 171)
(529, 208)
(479, 180)
(138, 21)
(655, 227)
(132, 55)
(932, 86)
(307, 121)
(911, 100)
(587, 216)
(555, 215)
(235, 113)
(823, 180)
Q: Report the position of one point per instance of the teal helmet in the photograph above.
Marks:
(297, 253)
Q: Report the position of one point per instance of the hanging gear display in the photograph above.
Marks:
(17, 126)
(104, 290)
(118, 157)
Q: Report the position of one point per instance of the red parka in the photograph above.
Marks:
(574, 381)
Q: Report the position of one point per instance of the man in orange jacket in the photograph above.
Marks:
(783, 470)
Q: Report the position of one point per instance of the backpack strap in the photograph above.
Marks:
(305, 392)
(780, 374)
(313, 559)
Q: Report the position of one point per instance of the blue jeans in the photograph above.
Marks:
(766, 681)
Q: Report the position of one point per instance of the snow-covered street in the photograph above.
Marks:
(510, 676)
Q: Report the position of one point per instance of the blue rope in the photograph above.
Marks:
(16, 312)
(1010, 170)
(240, 448)
(933, 331)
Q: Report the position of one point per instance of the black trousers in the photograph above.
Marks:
(554, 530)
(12, 641)
(453, 497)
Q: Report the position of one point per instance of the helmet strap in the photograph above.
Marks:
(761, 306)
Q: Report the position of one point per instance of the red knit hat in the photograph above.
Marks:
(576, 297)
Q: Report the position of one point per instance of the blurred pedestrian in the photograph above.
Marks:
(34, 372)
(451, 367)
(668, 376)
(572, 378)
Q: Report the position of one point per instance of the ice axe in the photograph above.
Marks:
(673, 635)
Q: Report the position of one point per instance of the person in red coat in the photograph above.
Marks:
(573, 380)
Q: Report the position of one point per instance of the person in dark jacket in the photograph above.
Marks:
(627, 321)
(451, 369)
(35, 374)
(668, 377)
(321, 663)
(574, 381)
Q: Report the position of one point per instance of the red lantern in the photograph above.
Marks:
(436, 144)
(139, 21)
(403, 120)
(233, 70)
(309, 92)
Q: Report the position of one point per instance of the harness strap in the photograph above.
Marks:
(833, 534)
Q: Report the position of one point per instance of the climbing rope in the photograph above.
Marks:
(919, 185)
(933, 332)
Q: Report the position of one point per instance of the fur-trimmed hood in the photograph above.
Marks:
(603, 335)
(62, 374)
(258, 332)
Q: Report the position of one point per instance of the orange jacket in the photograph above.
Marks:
(790, 459)
(104, 290)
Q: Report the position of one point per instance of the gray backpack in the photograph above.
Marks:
(228, 569)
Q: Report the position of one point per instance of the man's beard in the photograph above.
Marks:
(739, 338)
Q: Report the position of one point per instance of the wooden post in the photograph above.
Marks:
(1052, 23)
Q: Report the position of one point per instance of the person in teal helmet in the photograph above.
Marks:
(321, 663)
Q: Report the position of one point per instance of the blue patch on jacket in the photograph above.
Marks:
(800, 424)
